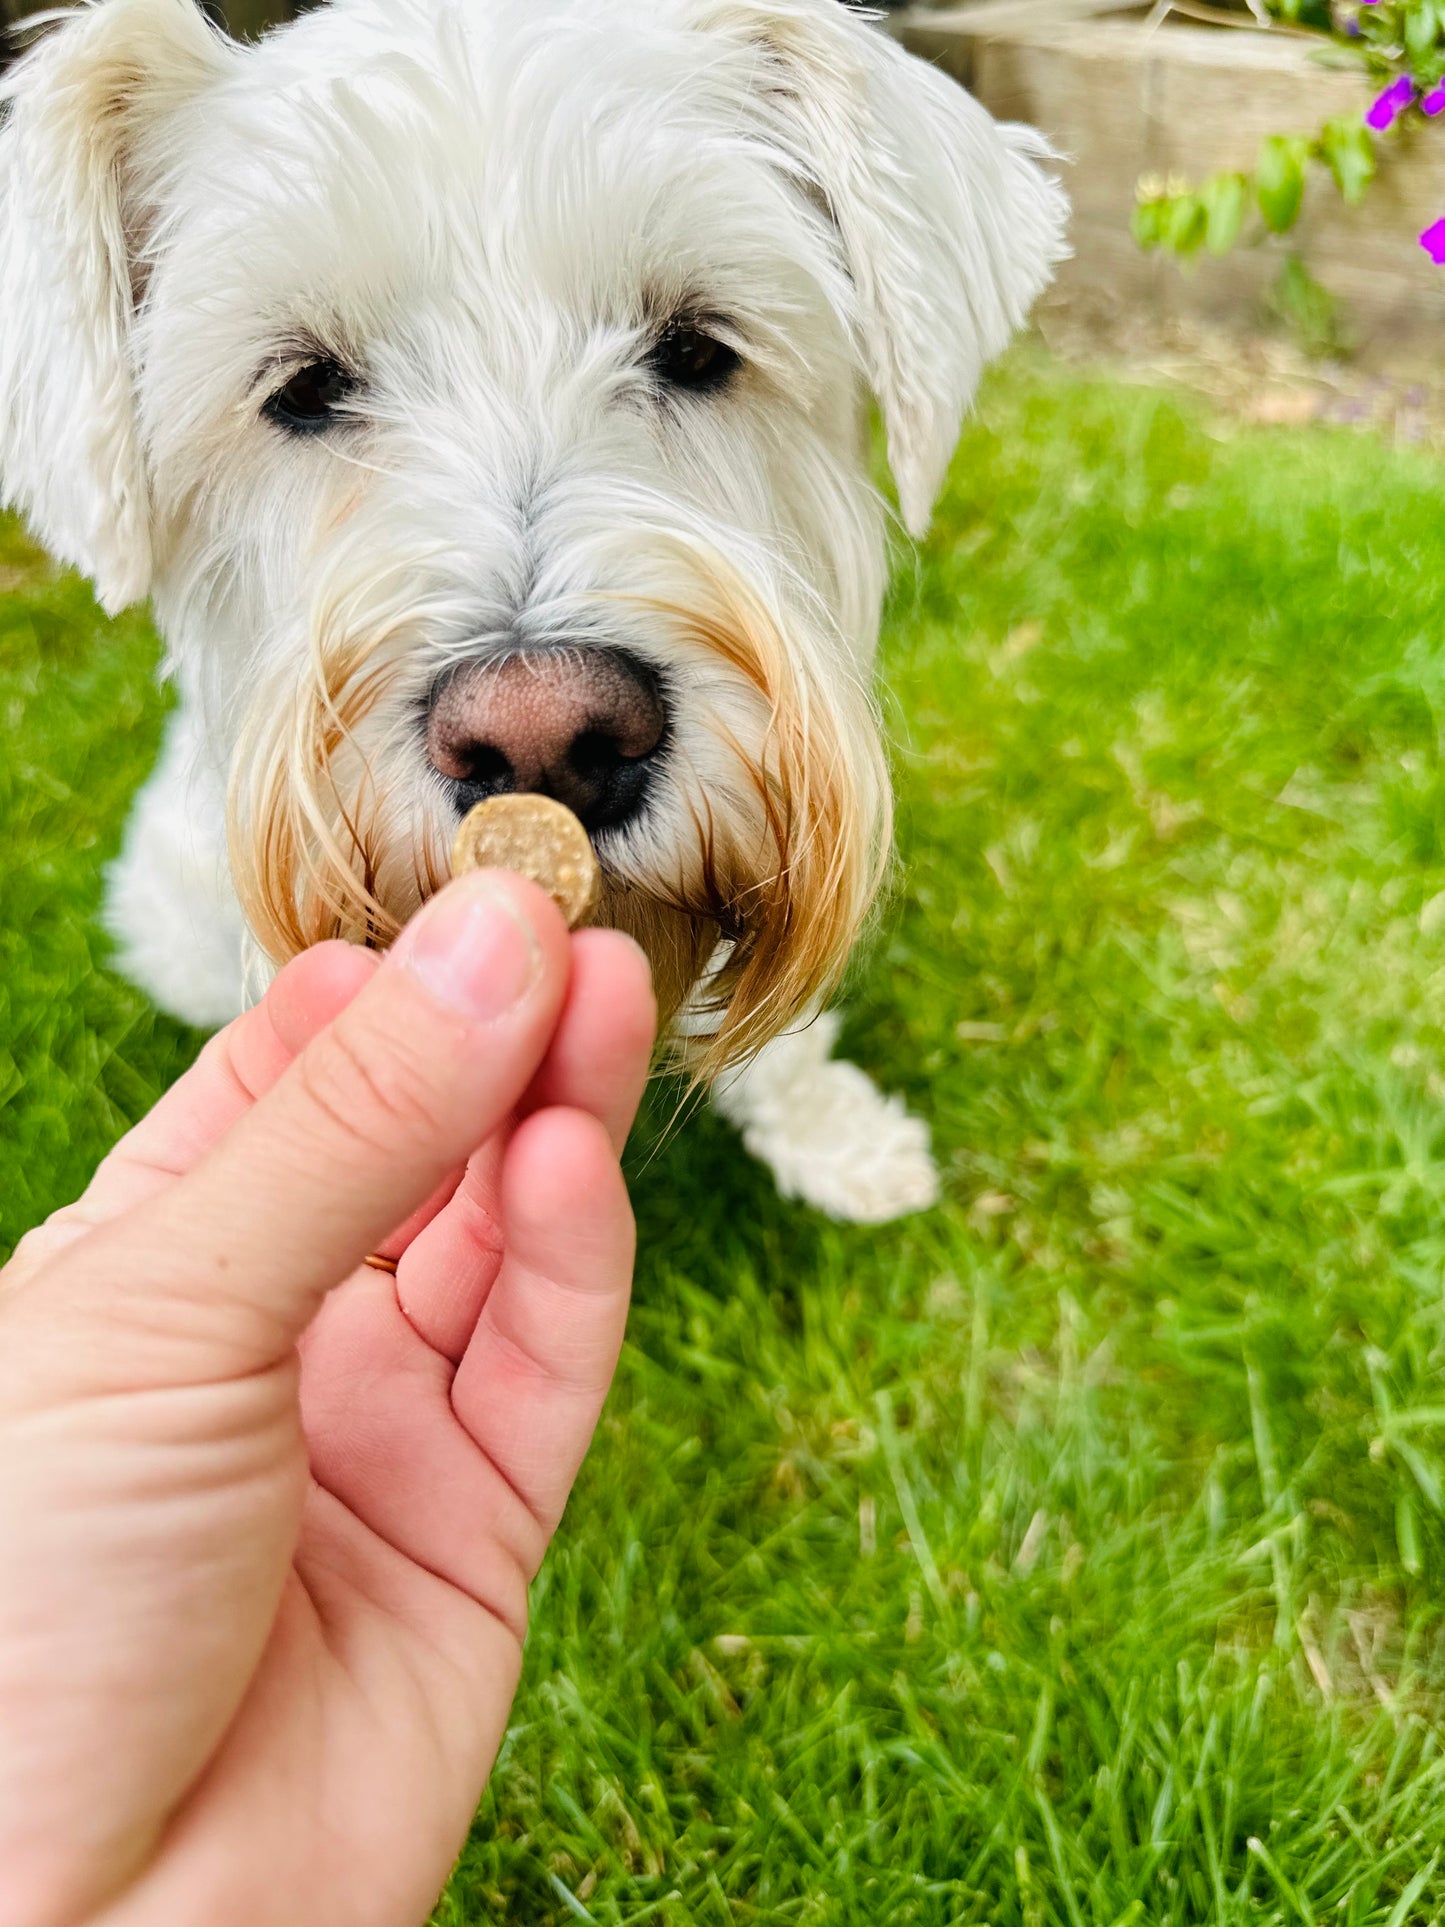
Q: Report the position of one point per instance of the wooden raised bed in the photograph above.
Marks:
(1123, 100)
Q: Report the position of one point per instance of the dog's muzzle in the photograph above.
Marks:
(587, 726)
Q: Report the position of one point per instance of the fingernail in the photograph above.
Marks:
(473, 949)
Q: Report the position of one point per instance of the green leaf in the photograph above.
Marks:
(1186, 222)
(1225, 199)
(1279, 181)
(1422, 26)
(1348, 151)
(1148, 224)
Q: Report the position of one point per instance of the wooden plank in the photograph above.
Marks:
(950, 36)
(1007, 16)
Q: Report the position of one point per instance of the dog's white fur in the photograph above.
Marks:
(487, 209)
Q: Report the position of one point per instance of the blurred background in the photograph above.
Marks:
(1074, 1555)
(243, 17)
(1195, 129)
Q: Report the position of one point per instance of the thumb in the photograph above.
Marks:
(222, 1273)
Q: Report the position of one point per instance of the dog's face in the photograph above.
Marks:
(480, 386)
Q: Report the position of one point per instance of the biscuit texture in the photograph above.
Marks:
(538, 838)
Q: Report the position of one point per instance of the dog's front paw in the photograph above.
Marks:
(829, 1136)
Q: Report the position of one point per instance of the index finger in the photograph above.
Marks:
(247, 1059)
(238, 1066)
(221, 1272)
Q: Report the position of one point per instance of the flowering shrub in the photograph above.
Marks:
(1401, 45)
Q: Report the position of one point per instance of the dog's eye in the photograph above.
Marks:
(686, 356)
(310, 399)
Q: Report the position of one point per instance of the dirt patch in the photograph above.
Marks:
(1253, 376)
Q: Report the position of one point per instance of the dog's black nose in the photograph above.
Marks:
(586, 726)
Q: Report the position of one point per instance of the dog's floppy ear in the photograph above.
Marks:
(82, 107)
(949, 224)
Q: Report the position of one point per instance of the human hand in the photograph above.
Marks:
(268, 1517)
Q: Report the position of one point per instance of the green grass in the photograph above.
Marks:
(81, 1055)
(1072, 1555)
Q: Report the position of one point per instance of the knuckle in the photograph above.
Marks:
(501, 1593)
(571, 1370)
(370, 1090)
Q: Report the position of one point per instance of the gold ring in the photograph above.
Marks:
(388, 1265)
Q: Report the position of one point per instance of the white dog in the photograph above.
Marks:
(479, 388)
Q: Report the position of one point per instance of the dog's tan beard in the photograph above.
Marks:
(781, 902)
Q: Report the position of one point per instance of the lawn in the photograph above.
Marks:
(1074, 1554)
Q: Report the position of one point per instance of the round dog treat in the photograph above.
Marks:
(538, 838)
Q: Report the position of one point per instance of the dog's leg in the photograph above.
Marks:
(169, 903)
(826, 1132)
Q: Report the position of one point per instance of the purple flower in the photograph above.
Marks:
(1433, 242)
(1434, 102)
(1389, 106)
